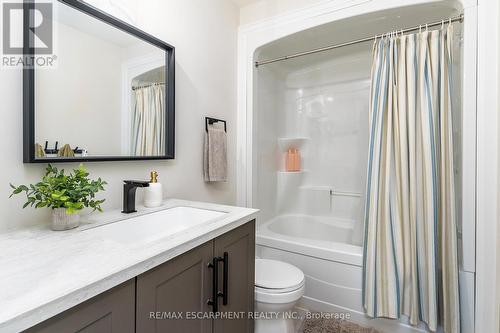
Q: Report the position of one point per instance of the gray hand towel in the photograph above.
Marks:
(215, 154)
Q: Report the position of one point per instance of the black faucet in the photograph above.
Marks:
(129, 194)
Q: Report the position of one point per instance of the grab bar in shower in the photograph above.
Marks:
(331, 191)
(345, 194)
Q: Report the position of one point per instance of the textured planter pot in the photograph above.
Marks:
(63, 221)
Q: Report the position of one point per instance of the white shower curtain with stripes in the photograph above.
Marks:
(148, 121)
(410, 251)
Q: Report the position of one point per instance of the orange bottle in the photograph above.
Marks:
(292, 160)
(296, 160)
(289, 160)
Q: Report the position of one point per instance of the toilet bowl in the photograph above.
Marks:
(278, 287)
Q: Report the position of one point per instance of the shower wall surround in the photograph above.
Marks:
(205, 86)
(320, 108)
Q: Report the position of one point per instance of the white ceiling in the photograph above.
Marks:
(243, 3)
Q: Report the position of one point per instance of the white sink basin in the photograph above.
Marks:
(153, 226)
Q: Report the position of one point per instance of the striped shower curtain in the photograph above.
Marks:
(410, 251)
(148, 121)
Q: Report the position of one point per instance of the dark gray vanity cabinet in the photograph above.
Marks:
(176, 296)
(239, 246)
(110, 312)
(184, 286)
(179, 286)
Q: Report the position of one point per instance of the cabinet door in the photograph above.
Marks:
(110, 312)
(168, 293)
(239, 245)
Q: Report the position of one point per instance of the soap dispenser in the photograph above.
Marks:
(153, 194)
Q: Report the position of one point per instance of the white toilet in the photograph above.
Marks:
(278, 287)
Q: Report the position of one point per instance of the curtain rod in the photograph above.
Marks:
(362, 40)
(148, 85)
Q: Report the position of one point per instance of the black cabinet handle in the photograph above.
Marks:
(225, 276)
(215, 284)
(214, 265)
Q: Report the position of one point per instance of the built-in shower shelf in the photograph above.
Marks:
(287, 143)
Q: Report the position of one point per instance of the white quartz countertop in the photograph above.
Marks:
(44, 272)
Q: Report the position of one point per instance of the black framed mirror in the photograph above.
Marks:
(108, 95)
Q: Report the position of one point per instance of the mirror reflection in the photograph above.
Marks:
(106, 97)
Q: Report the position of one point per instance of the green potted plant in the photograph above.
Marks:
(66, 194)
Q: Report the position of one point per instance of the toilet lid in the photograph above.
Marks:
(274, 274)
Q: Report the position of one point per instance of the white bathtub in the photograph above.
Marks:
(321, 247)
(320, 237)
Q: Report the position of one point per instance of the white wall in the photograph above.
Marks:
(270, 100)
(80, 105)
(205, 36)
(497, 322)
(268, 8)
(488, 103)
